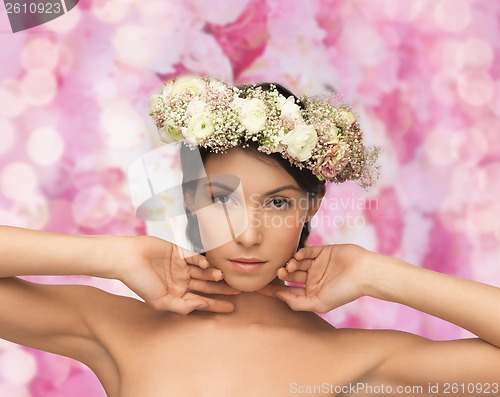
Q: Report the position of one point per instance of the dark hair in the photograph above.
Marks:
(306, 180)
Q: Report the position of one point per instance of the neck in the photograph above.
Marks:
(253, 308)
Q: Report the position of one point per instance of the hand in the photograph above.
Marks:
(332, 275)
(163, 274)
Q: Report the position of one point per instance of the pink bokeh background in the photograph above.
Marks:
(424, 77)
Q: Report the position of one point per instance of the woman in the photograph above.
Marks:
(248, 334)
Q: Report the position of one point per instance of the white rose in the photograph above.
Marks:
(153, 101)
(167, 89)
(253, 115)
(333, 135)
(200, 126)
(289, 109)
(169, 133)
(238, 102)
(300, 141)
(217, 85)
(348, 116)
(195, 84)
(195, 107)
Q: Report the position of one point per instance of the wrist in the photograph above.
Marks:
(107, 255)
(383, 275)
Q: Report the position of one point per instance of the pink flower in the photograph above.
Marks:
(333, 162)
(245, 39)
(326, 166)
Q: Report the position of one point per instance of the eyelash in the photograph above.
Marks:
(215, 196)
(285, 201)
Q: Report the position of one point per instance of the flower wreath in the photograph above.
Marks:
(209, 113)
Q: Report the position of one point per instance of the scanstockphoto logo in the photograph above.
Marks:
(26, 14)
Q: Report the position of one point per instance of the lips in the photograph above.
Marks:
(247, 264)
(248, 260)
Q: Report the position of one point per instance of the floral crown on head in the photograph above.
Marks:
(317, 135)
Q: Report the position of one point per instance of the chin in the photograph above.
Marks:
(246, 285)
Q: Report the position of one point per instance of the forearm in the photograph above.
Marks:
(469, 304)
(30, 252)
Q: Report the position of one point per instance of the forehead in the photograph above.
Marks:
(256, 173)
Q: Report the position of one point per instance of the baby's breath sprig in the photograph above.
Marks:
(319, 135)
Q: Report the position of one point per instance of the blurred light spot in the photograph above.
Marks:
(66, 60)
(6, 345)
(452, 15)
(156, 12)
(497, 234)
(17, 366)
(39, 53)
(442, 53)
(356, 44)
(8, 135)
(484, 217)
(452, 213)
(17, 181)
(106, 92)
(437, 146)
(64, 23)
(45, 146)
(469, 147)
(475, 88)
(33, 211)
(39, 87)
(218, 12)
(111, 11)
(490, 180)
(94, 207)
(11, 99)
(121, 126)
(134, 45)
(474, 53)
(403, 11)
(443, 87)
(465, 183)
(9, 390)
(495, 102)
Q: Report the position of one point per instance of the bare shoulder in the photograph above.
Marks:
(64, 319)
(377, 340)
(362, 351)
(400, 359)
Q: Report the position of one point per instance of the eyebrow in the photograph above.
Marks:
(274, 191)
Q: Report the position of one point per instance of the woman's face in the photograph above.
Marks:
(264, 217)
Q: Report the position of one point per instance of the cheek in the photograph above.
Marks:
(219, 226)
(284, 233)
(285, 226)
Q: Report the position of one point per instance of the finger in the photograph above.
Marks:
(297, 300)
(206, 274)
(179, 305)
(311, 252)
(269, 290)
(295, 277)
(212, 287)
(216, 305)
(197, 260)
(303, 264)
(180, 252)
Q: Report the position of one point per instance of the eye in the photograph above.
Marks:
(281, 203)
(221, 198)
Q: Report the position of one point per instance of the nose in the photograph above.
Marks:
(253, 233)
